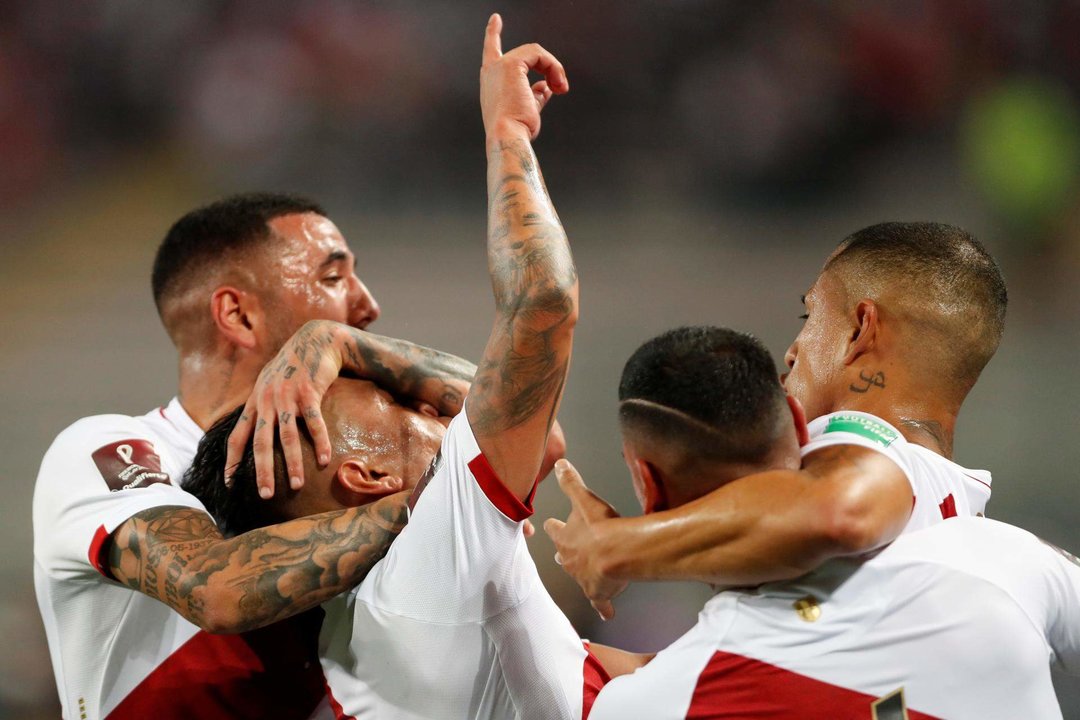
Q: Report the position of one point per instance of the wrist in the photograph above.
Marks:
(341, 335)
(613, 562)
(506, 131)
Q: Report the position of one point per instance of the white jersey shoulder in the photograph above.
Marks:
(941, 489)
(98, 473)
(960, 620)
(117, 653)
(454, 621)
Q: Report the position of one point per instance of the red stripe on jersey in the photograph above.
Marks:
(96, 547)
(948, 507)
(596, 677)
(733, 686)
(273, 672)
(339, 712)
(507, 503)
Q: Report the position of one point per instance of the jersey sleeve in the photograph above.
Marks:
(97, 474)
(1063, 616)
(462, 557)
(864, 430)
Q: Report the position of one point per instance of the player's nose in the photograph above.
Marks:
(363, 310)
(789, 356)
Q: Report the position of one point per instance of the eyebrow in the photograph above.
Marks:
(336, 256)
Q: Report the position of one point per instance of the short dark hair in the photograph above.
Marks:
(942, 262)
(713, 390)
(236, 508)
(201, 236)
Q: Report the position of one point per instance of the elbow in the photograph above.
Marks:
(219, 615)
(850, 528)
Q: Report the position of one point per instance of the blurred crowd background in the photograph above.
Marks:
(709, 156)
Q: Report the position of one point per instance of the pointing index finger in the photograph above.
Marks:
(569, 479)
(492, 39)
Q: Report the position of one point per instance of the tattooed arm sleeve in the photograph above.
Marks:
(178, 556)
(519, 382)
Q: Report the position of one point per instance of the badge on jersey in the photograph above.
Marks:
(866, 427)
(129, 464)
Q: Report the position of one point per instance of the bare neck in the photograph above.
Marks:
(921, 417)
(214, 382)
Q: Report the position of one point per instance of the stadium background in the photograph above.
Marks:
(708, 158)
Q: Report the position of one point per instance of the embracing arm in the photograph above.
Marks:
(293, 383)
(178, 556)
(765, 527)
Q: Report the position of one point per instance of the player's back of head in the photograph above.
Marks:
(941, 282)
(206, 239)
(706, 396)
(236, 507)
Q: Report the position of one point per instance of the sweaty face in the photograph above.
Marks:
(312, 276)
(367, 421)
(816, 358)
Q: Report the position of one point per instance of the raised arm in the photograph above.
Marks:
(765, 527)
(293, 383)
(519, 382)
(178, 556)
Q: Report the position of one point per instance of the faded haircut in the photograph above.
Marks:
(951, 286)
(205, 236)
(236, 508)
(711, 392)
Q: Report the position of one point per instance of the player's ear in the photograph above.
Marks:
(799, 416)
(235, 313)
(648, 484)
(864, 333)
(362, 477)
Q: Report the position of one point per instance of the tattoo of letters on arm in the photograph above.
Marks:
(177, 555)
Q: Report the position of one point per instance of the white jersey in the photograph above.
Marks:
(960, 620)
(454, 622)
(940, 488)
(117, 653)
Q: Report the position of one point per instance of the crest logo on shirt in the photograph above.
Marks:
(808, 608)
(129, 464)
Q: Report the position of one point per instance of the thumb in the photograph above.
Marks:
(553, 526)
(605, 607)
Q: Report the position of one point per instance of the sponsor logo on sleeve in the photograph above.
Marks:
(866, 427)
(129, 464)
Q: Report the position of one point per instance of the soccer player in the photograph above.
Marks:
(958, 620)
(899, 324)
(131, 573)
(454, 622)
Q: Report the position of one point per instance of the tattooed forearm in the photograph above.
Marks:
(177, 555)
(410, 370)
(321, 348)
(535, 285)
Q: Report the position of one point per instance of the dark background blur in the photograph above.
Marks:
(708, 158)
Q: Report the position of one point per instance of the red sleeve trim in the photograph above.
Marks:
(595, 678)
(501, 497)
(97, 545)
(335, 706)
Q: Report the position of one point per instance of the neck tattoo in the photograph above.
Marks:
(934, 430)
